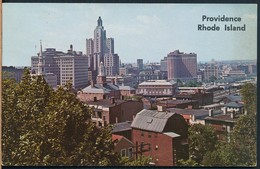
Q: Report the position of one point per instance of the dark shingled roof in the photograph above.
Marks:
(123, 126)
(199, 113)
(151, 120)
(234, 98)
(234, 104)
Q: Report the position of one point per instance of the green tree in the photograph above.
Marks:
(46, 127)
(249, 92)
(241, 150)
(141, 161)
(202, 138)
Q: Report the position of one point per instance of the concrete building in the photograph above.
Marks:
(157, 88)
(101, 49)
(111, 63)
(161, 135)
(70, 66)
(182, 66)
(140, 64)
(110, 45)
(12, 72)
(210, 70)
(104, 90)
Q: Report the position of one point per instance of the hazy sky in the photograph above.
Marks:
(148, 31)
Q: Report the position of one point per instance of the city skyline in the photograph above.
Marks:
(141, 31)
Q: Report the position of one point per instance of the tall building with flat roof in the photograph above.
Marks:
(182, 66)
(111, 63)
(140, 64)
(70, 66)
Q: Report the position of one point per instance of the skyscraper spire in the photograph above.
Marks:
(40, 63)
(99, 21)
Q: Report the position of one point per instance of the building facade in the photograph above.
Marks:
(101, 49)
(140, 64)
(111, 63)
(161, 135)
(182, 66)
(157, 88)
(70, 66)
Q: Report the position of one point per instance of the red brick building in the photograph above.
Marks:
(163, 136)
(123, 146)
(111, 111)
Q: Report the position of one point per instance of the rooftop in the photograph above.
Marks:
(123, 126)
(105, 102)
(157, 82)
(151, 120)
(199, 113)
(234, 105)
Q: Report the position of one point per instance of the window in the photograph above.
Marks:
(149, 134)
(142, 133)
(123, 152)
(130, 152)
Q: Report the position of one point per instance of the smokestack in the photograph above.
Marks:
(71, 47)
(92, 83)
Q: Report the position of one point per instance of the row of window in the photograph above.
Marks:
(129, 154)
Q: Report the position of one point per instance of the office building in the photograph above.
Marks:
(70, 66)
(140, 64)
(182, 66)
(111, 64)
(101, 49)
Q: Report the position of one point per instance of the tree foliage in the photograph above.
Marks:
(241, 150)
(141, 161)
(46, 127)
(249, 92)
(202, 139)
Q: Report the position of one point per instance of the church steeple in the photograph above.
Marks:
(101, 78)
(99, 22)
(40, 63)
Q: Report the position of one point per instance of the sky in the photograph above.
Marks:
(140, 31)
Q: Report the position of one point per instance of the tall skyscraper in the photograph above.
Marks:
(182, 66)
(100, 48)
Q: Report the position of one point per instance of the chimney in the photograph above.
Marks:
(133, 117)
(92, 83)
(193, 117)
(225, 110)
(210, 113)
(95, 99)
(161, 108)
(112, 100)
(232, 115)
(113, 81)
(116, 120)
(71, 47)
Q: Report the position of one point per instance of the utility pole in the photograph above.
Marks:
(139, 149)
